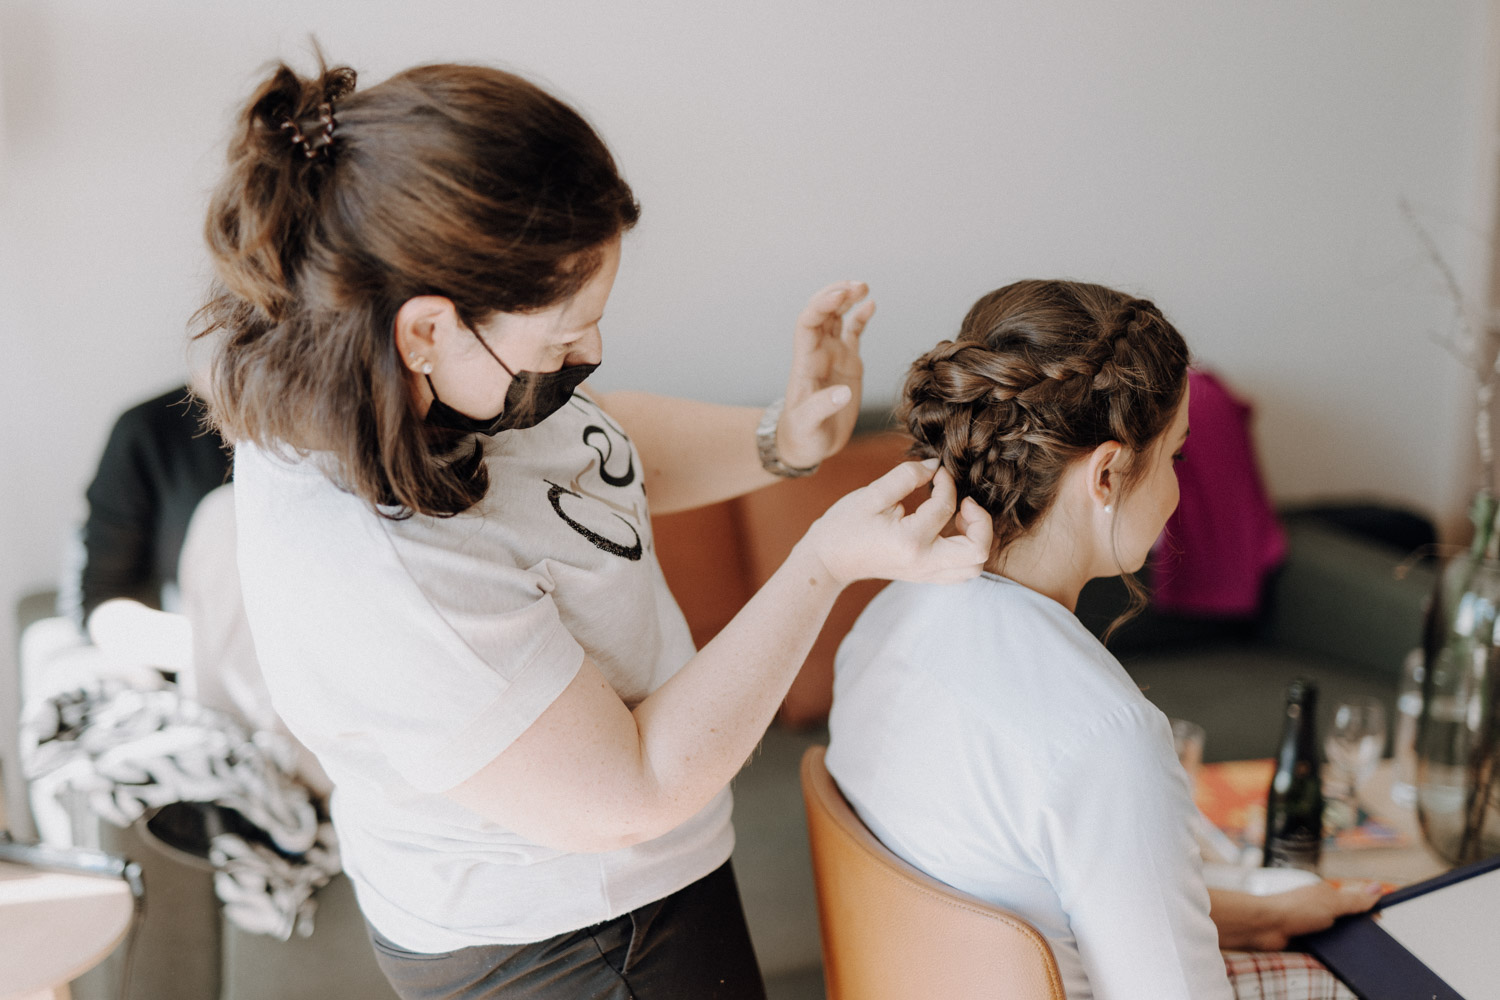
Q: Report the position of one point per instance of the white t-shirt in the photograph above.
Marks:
(407, 654)
(988, 738)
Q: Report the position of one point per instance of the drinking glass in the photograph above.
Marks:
(1354, 744)
(1187, 740)
(1408, 715)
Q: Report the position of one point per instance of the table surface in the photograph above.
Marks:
(1399, 865)
(54, 926)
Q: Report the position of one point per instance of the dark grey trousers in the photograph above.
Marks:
(692, 945)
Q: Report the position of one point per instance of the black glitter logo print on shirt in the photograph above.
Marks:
(593, 431)
(631, 552)
(604, 439)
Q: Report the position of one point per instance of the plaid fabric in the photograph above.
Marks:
(1282, 975)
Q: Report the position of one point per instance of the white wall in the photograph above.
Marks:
(1241, 163)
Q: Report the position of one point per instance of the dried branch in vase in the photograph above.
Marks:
(1474, 343)
(1459, 734)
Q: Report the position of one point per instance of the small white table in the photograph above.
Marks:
(56, 926)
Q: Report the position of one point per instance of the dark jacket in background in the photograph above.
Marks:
(159, 462)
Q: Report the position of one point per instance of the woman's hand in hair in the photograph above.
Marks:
(822, 394)
(868, 534)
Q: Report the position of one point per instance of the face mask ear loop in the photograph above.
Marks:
(433, 389)
(489, 351)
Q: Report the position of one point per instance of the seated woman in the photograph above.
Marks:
(979, 729)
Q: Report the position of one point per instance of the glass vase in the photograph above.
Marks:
(1458, 733)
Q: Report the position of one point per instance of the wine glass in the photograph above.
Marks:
(1187, 740)
(1354, 745)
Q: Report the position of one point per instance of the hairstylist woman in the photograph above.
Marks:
(471, 630)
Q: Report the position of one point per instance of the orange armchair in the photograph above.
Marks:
(716, 557)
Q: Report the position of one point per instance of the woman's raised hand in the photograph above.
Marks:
(868, 534)
(822, 394)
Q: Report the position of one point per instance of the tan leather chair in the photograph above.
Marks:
(891, 932)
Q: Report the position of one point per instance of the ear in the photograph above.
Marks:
(421, 323)
(1103, 466)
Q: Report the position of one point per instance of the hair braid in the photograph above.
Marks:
(1041, 373)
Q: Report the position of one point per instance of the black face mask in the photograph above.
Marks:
(547, 393)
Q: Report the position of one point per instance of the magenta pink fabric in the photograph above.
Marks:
(1213, 557)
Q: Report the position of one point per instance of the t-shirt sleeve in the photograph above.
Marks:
(444, 700)
(1126, 868)
(415, 651)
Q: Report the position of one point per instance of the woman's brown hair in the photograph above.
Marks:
(1041, 374)
(339, 205)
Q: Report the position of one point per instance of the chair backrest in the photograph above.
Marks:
(891, 931)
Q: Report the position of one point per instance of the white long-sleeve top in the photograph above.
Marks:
(984, 735)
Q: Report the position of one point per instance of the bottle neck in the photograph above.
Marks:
(1299, 737)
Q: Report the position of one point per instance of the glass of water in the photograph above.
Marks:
(1404, 744)
(1187, 740)
(1354, 745)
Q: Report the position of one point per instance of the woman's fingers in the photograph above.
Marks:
(975, 525)
(934, 513)
(855, 324)
(893, 487)
(1314, 907)
(968, 512)
(866, 534)
(1359, 897)
(816, 426)
(825, 353)
(821, 405)
(862, 535)
(958, 556)
(955, 557)
(831, 303)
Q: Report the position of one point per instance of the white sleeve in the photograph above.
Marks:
(435, 677)
(1126, 868)
(436, 692)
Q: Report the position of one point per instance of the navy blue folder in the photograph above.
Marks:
(1371, 962)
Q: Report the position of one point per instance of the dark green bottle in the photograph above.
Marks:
(1294, 806)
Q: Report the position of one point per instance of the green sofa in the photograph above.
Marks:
(1343, 610)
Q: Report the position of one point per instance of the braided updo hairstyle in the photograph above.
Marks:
(1041, 374)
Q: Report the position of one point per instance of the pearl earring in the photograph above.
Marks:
(1109, 508)
(427, 368)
